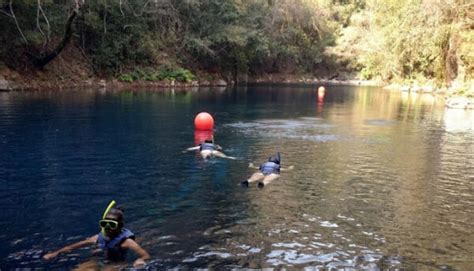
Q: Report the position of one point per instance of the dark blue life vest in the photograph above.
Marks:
(207, 146)
(269, 168)
(112, 248)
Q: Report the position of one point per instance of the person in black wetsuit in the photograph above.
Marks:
(208, 149)
(268, 172)
(114, 241)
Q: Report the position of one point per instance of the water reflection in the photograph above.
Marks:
(458, 120)
(382, 179)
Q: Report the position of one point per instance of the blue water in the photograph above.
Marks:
(381, 180)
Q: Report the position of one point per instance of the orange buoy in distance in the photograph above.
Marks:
(321, 93)
(204, 122)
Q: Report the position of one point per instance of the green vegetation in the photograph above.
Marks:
(401, 41)
(178, 74)
(412, 40)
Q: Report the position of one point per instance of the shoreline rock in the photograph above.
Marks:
(37, 84)
(459, 102)
(4, 84)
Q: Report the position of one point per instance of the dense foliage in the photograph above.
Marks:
(417, 40)
(157, 39)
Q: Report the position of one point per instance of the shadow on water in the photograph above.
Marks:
(381, 180)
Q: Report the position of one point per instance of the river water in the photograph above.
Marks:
(382, 180)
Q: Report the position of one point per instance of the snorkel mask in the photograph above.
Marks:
(106, 222)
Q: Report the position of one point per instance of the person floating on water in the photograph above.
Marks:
(269, 171)
(208, 149)
(114, 241)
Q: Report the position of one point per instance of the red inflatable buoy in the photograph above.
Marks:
(321, 93)
(204, 122)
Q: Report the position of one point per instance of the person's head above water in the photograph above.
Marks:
(112, 220)
(115, 214)
(209, 141)
(275, 158)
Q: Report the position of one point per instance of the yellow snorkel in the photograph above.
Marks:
(111, 204)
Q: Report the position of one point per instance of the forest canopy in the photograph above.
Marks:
(389, 40)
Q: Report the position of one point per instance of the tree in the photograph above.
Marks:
(35, 35)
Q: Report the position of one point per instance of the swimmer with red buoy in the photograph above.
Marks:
(208, 149)
(205, 123)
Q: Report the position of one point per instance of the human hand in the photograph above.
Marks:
(50, 256)
(139, 263)
(291, 167)
(251, 165)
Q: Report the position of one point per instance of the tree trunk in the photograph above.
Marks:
(451, 62)
(41, 61)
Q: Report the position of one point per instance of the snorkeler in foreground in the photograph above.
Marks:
(114, 241)
(269, 171)
(208, 149)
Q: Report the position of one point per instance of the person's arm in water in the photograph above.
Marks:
(251, 165)
(192, 149)
(142, 254)
(287, 169)
(87, 242)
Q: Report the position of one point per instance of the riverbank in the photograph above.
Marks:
(459, 95)
(72, 69)
(62, 74)
(71, 77)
